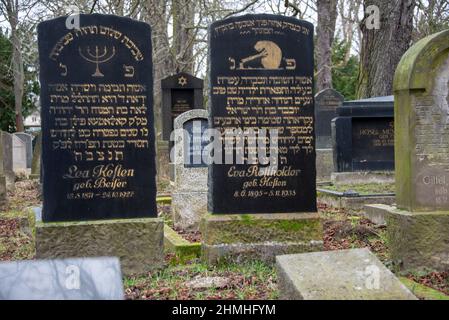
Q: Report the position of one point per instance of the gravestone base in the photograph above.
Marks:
(138, 243)
(237, 238)
(188, 209)
(418, 240)
(362, 177)
(324, 164)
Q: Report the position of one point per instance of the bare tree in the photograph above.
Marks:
(327, 18)
(383, 48)
(10, 10)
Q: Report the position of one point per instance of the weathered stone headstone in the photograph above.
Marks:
(3, 190)
(19, 154)
(263, 81)
(363, 135)
(189, 198)
(355, 274)
(36, 162)
(418, 226)
(326, 103)
(97, 112)
(180, 93)
(28, 140)
(98, 159)
(7, 145)
(69, 279)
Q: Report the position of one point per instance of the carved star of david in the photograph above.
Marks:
(182, 81)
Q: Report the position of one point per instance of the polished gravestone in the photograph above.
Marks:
(363, 135)
(326, 103)
(189, 196)
(98, 157)
(69, 279)
(263, 80)
(180, 93)
(97, 119)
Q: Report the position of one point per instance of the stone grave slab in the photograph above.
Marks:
(69, 279)
(354, 274)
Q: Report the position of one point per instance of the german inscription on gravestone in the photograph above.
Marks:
(372, 139)
(97, 119)
(264, 80)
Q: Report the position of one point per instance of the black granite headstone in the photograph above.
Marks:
(197, 142)
(326, 104)
(363, 135)
(261, 77)
(180, 93)
(97, 119)
(68, 279)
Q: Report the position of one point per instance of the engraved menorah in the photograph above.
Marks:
(97, 58)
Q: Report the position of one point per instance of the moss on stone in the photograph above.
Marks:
(423, 292)
(163, 200)
(181, 248)
(364, 189)
(228, 229)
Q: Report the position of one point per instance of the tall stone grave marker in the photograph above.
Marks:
(98, 154)
(418, 226)
(36, 162)
(28, 140)
(180, 93)
(7, 148)
(264, 80)
(19, 154)
(326, 103)
(189, 198)
(3, 191)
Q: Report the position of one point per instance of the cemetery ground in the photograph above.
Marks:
(193, 279)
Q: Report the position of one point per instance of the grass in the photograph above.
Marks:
(254, 280)
(364, 189)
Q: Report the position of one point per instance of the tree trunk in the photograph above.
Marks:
(183, 38)
(382, 49)
(163, 62)
(327, 17)
(17, 61)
